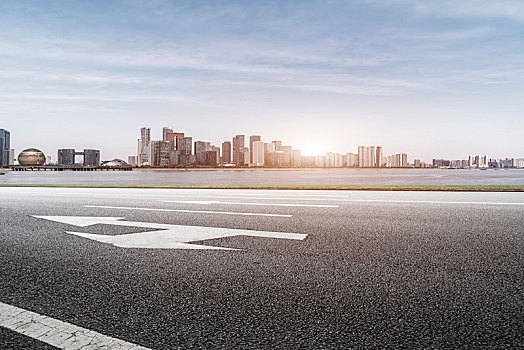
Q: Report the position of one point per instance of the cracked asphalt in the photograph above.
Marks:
(381, 270)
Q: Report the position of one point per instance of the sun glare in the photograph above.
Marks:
(313, 149)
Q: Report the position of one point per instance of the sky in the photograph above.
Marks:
(434, 79)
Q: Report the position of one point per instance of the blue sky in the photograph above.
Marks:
(430, 78)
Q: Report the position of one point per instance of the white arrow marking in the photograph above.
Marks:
(262, 204)
(171, 236)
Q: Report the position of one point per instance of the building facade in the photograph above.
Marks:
(5, 146)
(238, 150)
(226, 152)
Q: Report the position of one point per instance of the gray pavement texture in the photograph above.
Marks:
(425, 273)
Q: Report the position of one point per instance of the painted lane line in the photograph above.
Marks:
(252, 203)
(170, 237)
(428, 202)
(57, 333)
(189, 211)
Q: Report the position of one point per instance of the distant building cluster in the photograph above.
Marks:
(479, 162)
(178, 149)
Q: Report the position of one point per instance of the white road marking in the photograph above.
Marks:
(252, 203)
(428, 202)
(170, 236)
(189, 211)
(57, 333)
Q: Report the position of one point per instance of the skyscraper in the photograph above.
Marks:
(201, 147)
(144, 145)
(238, 150)
(5, 146)
(226, 152)
(257, 151)
(252, 139)
(165, 131)
(12, 157)
(173, 139)
(186, 144)
(159, 155)
(91, 157)
(366, 156)
(378, 157)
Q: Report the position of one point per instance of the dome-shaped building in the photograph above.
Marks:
(31, 156)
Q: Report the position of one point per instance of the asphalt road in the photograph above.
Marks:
(376, 269)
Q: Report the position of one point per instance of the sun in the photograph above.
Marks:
(313, 149)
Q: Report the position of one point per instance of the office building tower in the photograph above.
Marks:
(366, 156)
(330, 159)
(277, 145)
(159, 153)
(238, 150)
(351, 160)
(132, 160)
(201, 148)
(252, 139)
(11, 157)
(66, 156)
(173, 139)
(296, 158)
(378, 157)
(185, 145)
(269, 147)
(416, 163)
(226, 152)
(165, 131)
(48, 160)
(320, 161)
(247, 156)
(339, 160)
(5, 146)
(144, 146)
(257, 151)
(288, 153)
(91, 157)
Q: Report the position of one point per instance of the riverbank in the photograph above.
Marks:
(441, 188)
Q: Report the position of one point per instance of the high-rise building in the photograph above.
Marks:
(5, 146)
(165, 131)
(277, 145)
(378, 157)
(185, 145)
(172, 138)
(159, 155)
(48, 160)
(91, 157)
(366, 156)
(226, 152)
(351, 160)
(201, 148)
(330, 159)
(339, 160)
(257, 151)
(11, 157)
(144, 145)
(252, 139)
(66, 156)
(238, 150)
(132, 160)
(296, 158)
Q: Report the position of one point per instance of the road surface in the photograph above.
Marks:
(165, 269)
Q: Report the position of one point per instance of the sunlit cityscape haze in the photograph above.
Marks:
(431, 79)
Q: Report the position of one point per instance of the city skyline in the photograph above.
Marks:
(415, 77)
